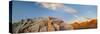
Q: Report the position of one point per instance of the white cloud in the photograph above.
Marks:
(55, 6)
(52, 6)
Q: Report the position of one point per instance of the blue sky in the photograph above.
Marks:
(24, 10)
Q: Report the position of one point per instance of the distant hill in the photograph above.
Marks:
(90, 23)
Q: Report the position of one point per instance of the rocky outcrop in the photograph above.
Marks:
(90, 23)
(47, 24)
(40, 24)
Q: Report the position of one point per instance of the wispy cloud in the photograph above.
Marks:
(52, 6)
(55, 6)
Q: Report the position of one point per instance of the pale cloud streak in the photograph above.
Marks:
(52, 6)
(56, 6)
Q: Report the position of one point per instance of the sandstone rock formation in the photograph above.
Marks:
(47, 24)
(40, 24)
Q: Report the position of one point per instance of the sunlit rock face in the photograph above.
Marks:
(90, 23)
(40, 24)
